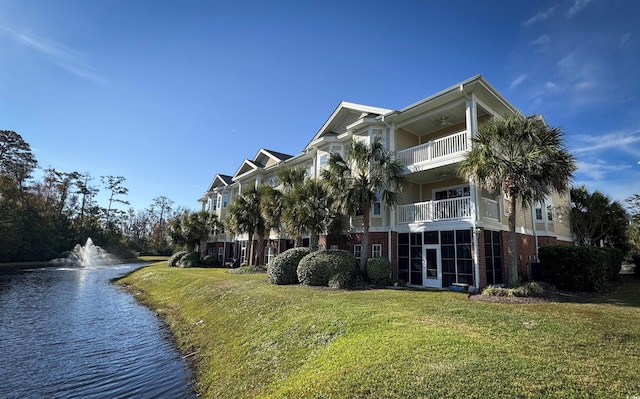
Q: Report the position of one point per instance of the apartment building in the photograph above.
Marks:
(445, 229)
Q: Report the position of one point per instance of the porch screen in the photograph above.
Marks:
(457, 264)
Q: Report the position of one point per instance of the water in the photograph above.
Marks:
(66, 332)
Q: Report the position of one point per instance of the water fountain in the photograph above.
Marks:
(86, 255)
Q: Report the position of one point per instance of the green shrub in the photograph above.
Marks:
(175, 258)
(335, 268)
(209, 260)
(635, 258)
(378, 270)
(250, 269)
(190, 259)
(283, 269)
(580, 268)
(616, 256)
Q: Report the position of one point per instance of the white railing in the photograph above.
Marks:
(431, 211)
(489, 208)
(435, 149)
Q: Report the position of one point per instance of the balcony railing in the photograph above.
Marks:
(431, 211)
(417, 158)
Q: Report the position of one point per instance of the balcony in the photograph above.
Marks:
(433, 211)
(434, 153)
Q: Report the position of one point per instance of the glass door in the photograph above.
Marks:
(432, 266)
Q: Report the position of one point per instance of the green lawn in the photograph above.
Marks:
(253, 339)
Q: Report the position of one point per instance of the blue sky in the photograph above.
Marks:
(169, 93)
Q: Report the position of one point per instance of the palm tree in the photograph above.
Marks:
(367, 174)
(316, 204)
(192, 228)
(245, 216)
(595, 219)
(524, 159)
(306, 206)
(292, 181)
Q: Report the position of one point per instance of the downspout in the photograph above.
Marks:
(471, 125)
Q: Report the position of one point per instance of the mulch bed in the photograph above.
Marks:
(553, 295)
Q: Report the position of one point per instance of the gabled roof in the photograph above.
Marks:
(220, 181)
(267, 158)
(476, 84)
(246, 167)
(341, 112)
(279, 155)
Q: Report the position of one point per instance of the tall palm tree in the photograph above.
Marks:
(524, 159)
(245, 216)
(292, 181)
(191, 228)
(306, 206)
(365, 175)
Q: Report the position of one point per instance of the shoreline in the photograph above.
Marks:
(49, 263)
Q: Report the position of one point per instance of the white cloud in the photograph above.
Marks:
(551, 86)
(621, 140)
(599, 169)
(61, 55)
(515, 82)
(541, 16)
(541, 41)
(578, 5)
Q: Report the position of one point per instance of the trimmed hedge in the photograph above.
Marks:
(378, 270)
(283, 269)
(175, 258)
(580, 268)
(190, 259)
(209, 260)
(333, 268)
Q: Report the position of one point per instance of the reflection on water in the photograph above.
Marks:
(68, 333)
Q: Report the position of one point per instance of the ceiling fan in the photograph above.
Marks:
(444, 121)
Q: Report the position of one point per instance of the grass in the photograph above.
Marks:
(248, 338)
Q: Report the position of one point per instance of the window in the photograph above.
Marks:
(505, 203)
(322, 161)
(376, 204)
(376, 251)
(220, 254)
(218, 201)
(320, 247)
(357, 252)
(332, 247)
(225, 200)
(539, 211)
(269, 254)
(273, 181)
(456, 192)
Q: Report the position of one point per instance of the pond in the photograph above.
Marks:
(67, 332)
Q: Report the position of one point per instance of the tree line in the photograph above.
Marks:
(42, 218)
